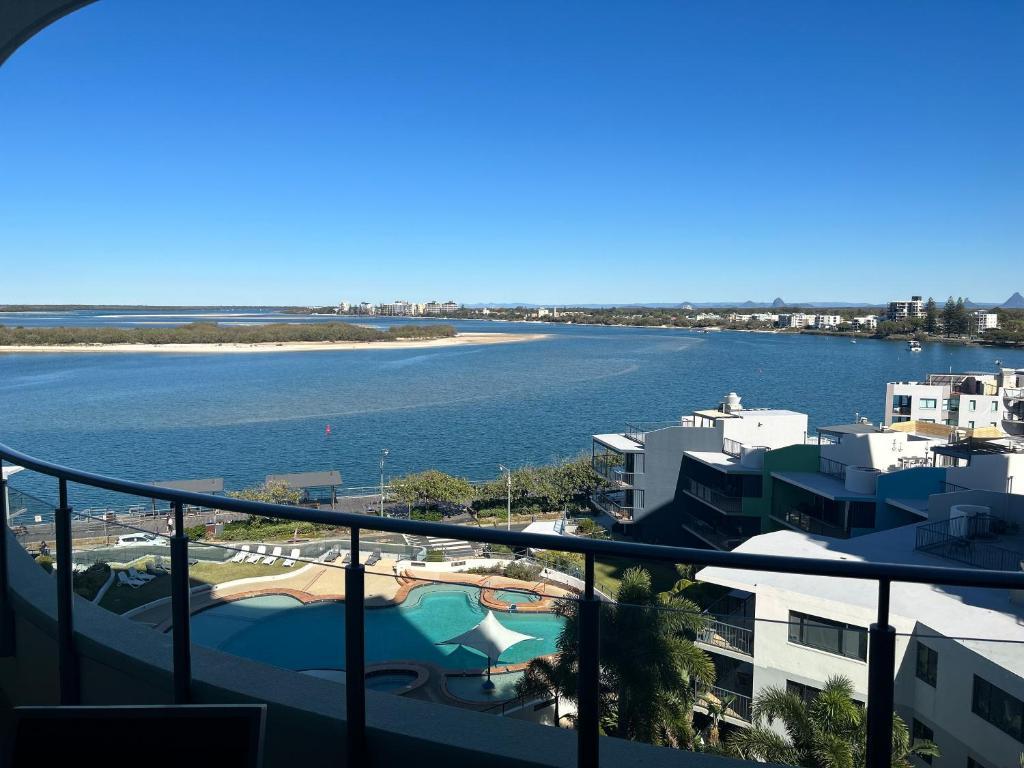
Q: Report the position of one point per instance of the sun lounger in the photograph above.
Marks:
(139, 576)
(241, 554)
(272, 557)
(255, 558)
(347, 558)
(291, 558)
(373, 559)
(123, 578)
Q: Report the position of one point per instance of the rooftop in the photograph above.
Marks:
(619, 443)
(956, 612)
(823, 485)
(723, 462)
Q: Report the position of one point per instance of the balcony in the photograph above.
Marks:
(638, 430)
(614, 507)
(61, 647)
(727, 505)
(802, 521)
(835, 469)
(709, 534)
(738, 705)
(731, 637)
(971, 540)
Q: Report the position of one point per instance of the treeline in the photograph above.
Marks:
(549, 487)
(214, 333)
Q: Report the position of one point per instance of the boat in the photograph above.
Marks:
(914, 345)
(853, 341)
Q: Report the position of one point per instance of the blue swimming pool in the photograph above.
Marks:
(280, 630)
(513, 597)
(471, 688)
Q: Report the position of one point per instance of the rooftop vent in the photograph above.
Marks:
(731, 403)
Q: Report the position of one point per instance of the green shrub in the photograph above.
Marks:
(429, 515)
(522, 571)
(434, 556)
(46, 562)
(196, 532)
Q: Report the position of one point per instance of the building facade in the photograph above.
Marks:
(902, 311)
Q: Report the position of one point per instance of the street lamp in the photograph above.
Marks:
(383, 455)
(508, 481)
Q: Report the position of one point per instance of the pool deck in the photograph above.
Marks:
(320, 582)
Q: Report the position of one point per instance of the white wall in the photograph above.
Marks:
(768, 428)
(881, 450)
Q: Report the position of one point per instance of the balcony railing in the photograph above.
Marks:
(882, 649)
(616, 509)
(834, 468)
(623, 478)
(732, 447)
(803, 521)
(733, 637)
(716, 537)
(738, 705)
(953, 488)
(638, 430)
(968, 540)
(729, 505)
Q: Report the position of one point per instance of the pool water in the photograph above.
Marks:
(390, 681)
(280, 630)
(513, 597)
(471, 688)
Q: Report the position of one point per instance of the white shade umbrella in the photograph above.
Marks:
(491, 638)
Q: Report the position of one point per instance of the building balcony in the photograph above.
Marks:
(802, 521)
(617, 508)
(835, 469)
(727, 505)
(973, 541)
(721, 634)
(715, 538)
(738, 706)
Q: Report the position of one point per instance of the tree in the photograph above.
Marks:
(649, 665)
(273, 492)
(828, 732)
(432, 486)
(931, 316)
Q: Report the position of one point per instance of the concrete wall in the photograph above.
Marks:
(993, 472)
(793, 458)
(770, 428)
(915, 483)
(917, 393)
(881, 450)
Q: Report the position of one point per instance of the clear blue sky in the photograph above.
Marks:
(520, 150)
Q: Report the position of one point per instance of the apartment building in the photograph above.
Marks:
(437, 308)
(965, 400)
(827, 322)
(981, 321)
(865, 323)
(959, 670)
(398, 308)
(900, 311)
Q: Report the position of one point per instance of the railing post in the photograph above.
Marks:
(181, 610)
(6, 613)
(67, 658)
(589, 672)
(881, 674)
(355, 674)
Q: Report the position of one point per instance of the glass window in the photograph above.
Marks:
(830, 636)
(970, 424)
(922, 732)
(928, 421)
(927, 664)
(804, 691)
(928, 403)
(972, 405)
(999, 708)
(995, 406)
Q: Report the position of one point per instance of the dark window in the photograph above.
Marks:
(972, 763)
(805, 692)
(922, 732)
(862, 514)
(998, 707)
(927, 664)
(831, 636)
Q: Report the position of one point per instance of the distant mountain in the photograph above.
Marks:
(1014, 302)
(778, 302)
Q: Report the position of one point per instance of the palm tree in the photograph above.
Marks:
(828, 732)
(648, 663)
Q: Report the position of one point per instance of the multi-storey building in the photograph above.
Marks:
(827, 321)
(981, 321)
(952, 687)
(900, 311)
(966, 400)
(437, 308)
(795, 320)
(865, 323)
(398, 308)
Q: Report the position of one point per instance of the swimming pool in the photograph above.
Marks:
(471, 688)
(512, 597)
(280, 630)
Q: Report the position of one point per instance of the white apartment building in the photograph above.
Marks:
(959, 665)
(795, 320)
(437, 308)
(398, 308)
(865, 323)
(827, 321)
(981, 321)
(906, 310)
(967, 400)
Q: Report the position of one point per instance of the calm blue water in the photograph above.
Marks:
(279, 630)
(462, 410)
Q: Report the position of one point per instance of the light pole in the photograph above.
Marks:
(508, 482)
(383, 455)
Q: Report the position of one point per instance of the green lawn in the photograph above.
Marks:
(121, 598)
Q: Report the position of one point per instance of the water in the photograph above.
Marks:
(510, 596)
(463, 410)
(471, 688)
(281, 631)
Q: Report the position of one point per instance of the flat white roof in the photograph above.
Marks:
(955, 612)
(723, 462)
(619, 443)
(823, 485)
(549, 527)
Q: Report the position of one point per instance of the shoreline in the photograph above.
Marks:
(459, 340)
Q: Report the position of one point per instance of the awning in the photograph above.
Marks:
(490, 637)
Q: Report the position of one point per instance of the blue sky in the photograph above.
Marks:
(527, 150)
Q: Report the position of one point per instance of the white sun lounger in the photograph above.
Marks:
(272, 557)
(139, 576)
(260, 552)
(291, 558)
(123, 578)
(241, 554)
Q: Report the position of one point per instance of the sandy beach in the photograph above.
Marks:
(462, 339)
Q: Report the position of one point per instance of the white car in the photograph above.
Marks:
(141, 540)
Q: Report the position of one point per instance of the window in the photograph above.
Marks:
(927, 421)
(927, 664)
(922, 732)
(991, 423)
(999, 708)
(804, 691)
(830, 636)
(972, 405)
(970, 424)
(995, 406)
(945, 403)
(928, 403)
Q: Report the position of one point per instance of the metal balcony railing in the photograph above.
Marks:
(953, 488)
(731, 447)
(834, 468)
(968, 540)
(734, 637)
(729, 505)
(638, 430)
(803, 521)
(737, 705)
(882, 650)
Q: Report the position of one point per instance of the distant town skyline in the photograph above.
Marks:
(575, 153)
